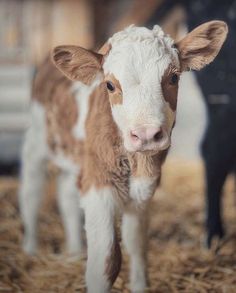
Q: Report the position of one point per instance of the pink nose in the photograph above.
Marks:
(148, 138)
(146, 134)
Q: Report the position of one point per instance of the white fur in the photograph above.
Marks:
(138, 59)
(99, 208)
(141, 188)
(34, 157)
(68, 196)
(82, 93)
(64, 162)
(134, 234)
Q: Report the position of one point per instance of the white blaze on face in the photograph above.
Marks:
(138, 59)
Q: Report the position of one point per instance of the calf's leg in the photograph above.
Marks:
(68, 196)
(32, 177)
(104, 256)
(134, 236)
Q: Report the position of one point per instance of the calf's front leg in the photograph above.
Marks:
(134, 230)
(104, 256)
(134, 236)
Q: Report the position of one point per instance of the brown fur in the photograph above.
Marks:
(55, 95)
(113, 262)
(202, 45)
(146, 165)
(169, 90)
(77, 63)
(53, 90)
(47, 81)
(105, 49)
(116, 97)
(105, 162)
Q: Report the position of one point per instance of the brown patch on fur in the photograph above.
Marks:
(105, 162)
(200, 47)
(61, 118)
(147, 166)
(170, 91)
(53, 91)
(47, 81)
(77, 63)
(113, 262)
(79, 179)
(116, 97)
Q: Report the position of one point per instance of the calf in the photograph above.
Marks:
(107, 125)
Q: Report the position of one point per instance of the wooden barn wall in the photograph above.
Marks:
(30, 28)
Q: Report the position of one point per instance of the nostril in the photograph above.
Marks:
(158, 136)
(134, 136)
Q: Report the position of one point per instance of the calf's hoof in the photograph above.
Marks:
(29, 246)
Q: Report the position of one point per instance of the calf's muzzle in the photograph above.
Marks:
(149, 138)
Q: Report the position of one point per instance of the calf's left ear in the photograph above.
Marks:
(200, 47)
(77, 63)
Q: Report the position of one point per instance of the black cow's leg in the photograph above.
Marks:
(234, 174)
(215, 178)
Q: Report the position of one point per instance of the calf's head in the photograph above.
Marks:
(141, 70)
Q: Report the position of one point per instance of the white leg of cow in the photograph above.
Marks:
(104, 257)
(68, 195)
(32, 178)
(134, 236)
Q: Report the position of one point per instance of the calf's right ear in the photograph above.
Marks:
(77, 63)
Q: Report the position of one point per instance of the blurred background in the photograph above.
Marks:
(29, 29)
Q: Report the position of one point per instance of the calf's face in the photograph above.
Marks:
(141, 69)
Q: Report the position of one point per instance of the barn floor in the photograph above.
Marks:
(177, 261)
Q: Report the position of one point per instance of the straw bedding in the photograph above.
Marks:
(177, 261)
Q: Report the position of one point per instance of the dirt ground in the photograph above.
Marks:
(177, 260)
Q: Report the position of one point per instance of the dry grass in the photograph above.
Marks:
(177, 261)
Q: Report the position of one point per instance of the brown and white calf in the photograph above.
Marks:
(107, 122)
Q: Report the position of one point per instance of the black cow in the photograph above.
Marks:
(218, 83)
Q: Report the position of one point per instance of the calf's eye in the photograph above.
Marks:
(110, 86)
(174, 79)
